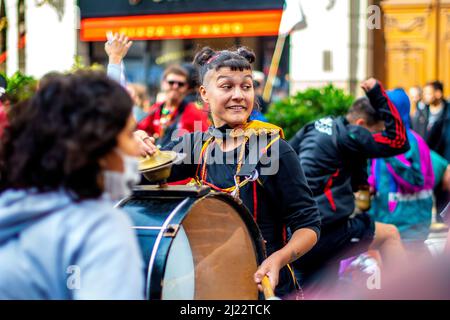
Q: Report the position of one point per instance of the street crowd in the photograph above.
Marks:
(368, 184)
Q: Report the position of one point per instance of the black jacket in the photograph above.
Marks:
(438, 136)
(334, 153)
(283, 198)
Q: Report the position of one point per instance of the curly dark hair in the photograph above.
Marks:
(207, 59)
(55, 139)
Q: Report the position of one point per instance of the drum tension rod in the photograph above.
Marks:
(171, 230)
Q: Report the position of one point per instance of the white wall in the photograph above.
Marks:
(12, 39)
(51, 43)
(326, 30)
(363, 45)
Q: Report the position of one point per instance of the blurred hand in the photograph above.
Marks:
(368, 84)
(270, 267)
(146, 144)
(117, 47)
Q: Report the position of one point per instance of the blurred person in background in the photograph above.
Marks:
(259, 81)
(432, 121)
(67, 157)
(403, 184)
(139, 94)
(333, 153)
(260, 105)
(3, 114)
(174, 113)
(166, 119)
(415, 97)
(192, 83)
(433, 124)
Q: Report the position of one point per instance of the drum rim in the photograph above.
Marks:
(150, 291)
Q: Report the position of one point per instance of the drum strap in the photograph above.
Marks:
(247, 171)
(244, 170)
(296, 284)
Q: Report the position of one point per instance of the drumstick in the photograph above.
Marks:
(267, 289)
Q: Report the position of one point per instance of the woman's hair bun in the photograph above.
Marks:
(203, 56)
(248, 54)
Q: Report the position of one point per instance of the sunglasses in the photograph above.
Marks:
(179, 83)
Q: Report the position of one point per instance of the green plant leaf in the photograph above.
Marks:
(293, 112)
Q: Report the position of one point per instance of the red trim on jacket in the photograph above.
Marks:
(400, 130)
(328, 192)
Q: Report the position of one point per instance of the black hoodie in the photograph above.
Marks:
(334, 153)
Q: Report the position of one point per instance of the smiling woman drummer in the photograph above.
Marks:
(251, 161)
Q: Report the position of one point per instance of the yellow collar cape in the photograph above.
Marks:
(256, 127)
(251, 128)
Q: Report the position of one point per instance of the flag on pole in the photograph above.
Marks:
(292, 18)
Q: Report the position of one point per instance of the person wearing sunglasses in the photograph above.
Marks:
(174, 116)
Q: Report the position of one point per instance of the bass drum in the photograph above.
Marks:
(196, 244)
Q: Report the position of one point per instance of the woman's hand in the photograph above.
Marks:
(117, 47)
(146, 144)
(301, 242)
(271, 268)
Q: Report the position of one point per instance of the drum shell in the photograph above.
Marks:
(156, 220)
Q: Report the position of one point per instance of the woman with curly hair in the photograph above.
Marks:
(66, 156)
(251, 161)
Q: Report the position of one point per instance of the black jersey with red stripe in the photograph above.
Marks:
(334, 153)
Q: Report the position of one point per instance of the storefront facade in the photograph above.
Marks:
(167, 32)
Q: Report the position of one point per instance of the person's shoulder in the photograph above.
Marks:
(193, 109)
(280, 147)
(152, 111)
(94, 223)
(447, 108)
(194, 104)
(286, 151)
(96, 213)
(285, 147)
(154, 107)
(355, 132)
(188, 140)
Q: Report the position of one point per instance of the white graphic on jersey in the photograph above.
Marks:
(324, 125)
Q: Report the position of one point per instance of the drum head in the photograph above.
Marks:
(213, 255)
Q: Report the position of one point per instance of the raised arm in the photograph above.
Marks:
(391, 141)
(394, 135)
(117, 48)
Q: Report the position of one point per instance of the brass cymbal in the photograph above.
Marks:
(160, 158)
(155, 173)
